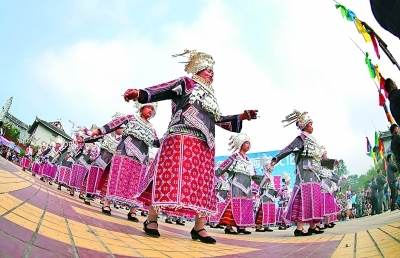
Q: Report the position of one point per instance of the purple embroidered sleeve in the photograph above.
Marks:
(167, 90)
(224, 166)
(230, 123)
(298, 143)
(156, 142)
(115, 124)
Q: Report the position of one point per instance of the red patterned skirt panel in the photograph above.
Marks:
(64, 175)
(124, 178)
(221, 207)
(35, 167)
(91, 183)
(227, 217)
(78, 173)
(41, 169)
(330, 206)
(182, 176)
(50, 171)
(306, 204)
(25, 162)
(102, 186)
(266, 214)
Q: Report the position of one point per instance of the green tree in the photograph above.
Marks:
(341, 169)
(11, 131)
(353, 181)
(365, 180)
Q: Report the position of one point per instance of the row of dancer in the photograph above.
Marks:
(181, 178)
(236, 176)
(86, 166)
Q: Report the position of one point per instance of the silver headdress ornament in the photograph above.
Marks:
(80, 132)
(44, 143)
(59, 140)
(286, 176)
(197, 61)
(265, 162)
(94, 127)
(236, 141)
(323, 150)
(139, 107)
(117, 115)
(301, 119)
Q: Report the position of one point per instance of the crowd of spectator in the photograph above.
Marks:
(9, 154)
(374, 200)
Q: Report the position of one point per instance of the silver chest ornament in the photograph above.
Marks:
(313, 151)
(207, 99)
(223, 186)
(138, 129)
(243, 166)
(110, 143)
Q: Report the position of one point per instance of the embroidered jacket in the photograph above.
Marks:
(52, 154)
(240, 170)
(308, 158)
(267, 187)
(138, 137)
(107, 148)
(194, 108)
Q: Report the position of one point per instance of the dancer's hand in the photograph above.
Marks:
(249, 114)
(131, 94)
(95, 133)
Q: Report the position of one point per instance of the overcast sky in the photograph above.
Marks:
(72, 60)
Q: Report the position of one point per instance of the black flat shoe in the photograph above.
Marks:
(267, 229)
(86, 201)
(260, 230)
(328, 226)
(178, 222)
(151, 232)
(132, 218)
(333, 224)
(229, 231)
(104, 211)
(301, 233)
(168, 221)
(219, 226)
(243, 231)
(282, 228)
(315, 230)
(196, 236)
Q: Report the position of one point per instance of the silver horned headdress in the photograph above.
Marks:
(117, 115)
(265, 162)
(197, 61)
(301, 119)
(236, 141)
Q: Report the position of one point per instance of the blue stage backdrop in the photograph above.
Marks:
(287, 164)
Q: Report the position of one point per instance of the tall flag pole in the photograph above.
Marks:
(375, 73)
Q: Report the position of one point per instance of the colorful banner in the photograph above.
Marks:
(285, 165)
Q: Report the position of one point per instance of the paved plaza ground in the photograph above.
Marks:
(37, 220)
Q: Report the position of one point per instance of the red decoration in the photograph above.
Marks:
(373, 39)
